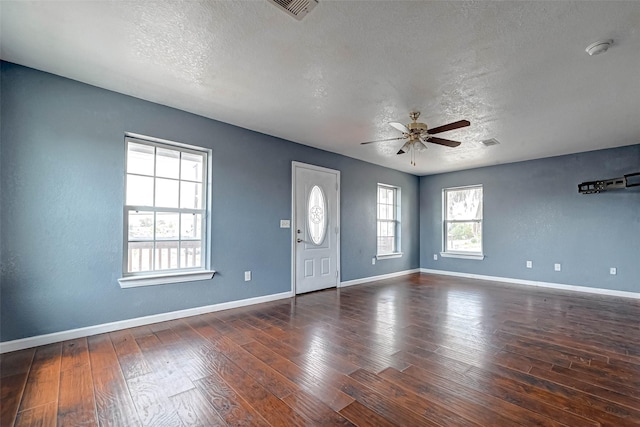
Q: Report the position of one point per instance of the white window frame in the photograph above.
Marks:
(159, 277)
(445, 221)
(397, 201)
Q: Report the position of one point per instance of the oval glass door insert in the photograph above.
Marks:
(316, 215)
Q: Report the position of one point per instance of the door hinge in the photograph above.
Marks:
(337, 273)
(337, 187)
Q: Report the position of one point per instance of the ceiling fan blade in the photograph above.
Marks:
(450, 126)
(382, 140)
(442, 141)
(402, 128)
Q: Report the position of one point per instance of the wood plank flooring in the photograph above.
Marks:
(419, 350)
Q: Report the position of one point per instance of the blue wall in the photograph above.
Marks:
(62, 169)
(62, 176)
(533, 211)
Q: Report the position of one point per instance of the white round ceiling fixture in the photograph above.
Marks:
(598, 47)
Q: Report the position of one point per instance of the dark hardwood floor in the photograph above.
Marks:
(416, 350)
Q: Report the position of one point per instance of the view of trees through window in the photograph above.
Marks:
(463, 219)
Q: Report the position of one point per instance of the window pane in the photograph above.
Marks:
(167, 163)
(166, 255)
(386, 203)
(464, 237)
(191, 226)
(391, 229)
(464, 204)
(190, 255)
(190, 195)
(388, 212)
(192, 165)
(140, 256)
(383, 229)
(382, 195)
(166, 193)
(385, 245)
(140, 225)
(167, 225)
(140, 158)
(139, 190)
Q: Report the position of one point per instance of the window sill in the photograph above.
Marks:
(188, 276)
(389, 256)
(462, 255)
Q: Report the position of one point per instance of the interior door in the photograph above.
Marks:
(316, 227)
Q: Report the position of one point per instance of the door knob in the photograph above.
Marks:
(299, 240)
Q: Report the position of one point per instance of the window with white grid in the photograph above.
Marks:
(388, 221)
(165, 212)
(462, 222)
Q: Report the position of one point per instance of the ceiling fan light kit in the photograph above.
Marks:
(418, 133)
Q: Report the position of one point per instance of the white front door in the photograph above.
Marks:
(316, 227)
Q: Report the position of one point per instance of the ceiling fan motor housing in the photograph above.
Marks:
(417, 127)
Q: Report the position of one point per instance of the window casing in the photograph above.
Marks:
(167, 198)
(388, 222)
(462, 222)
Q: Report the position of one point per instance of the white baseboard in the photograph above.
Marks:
(561, 286)
(381, 277)
(29, 342)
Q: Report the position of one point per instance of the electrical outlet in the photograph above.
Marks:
(613, 271)
(435, 257)
(285, 223)
(373, 261)
(557, 267)
(529, 264)
(247, 276)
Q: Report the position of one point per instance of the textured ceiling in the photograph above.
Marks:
(517, 70)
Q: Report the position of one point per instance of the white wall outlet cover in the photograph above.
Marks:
(613, 271)
(285, 223)
(435, 257)
(373, 261)
(247, 276)
(529, 264)
(557, 267)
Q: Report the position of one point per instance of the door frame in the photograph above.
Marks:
(294, 165)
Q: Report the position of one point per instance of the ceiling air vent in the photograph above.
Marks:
(490, 142)
(296, 8)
